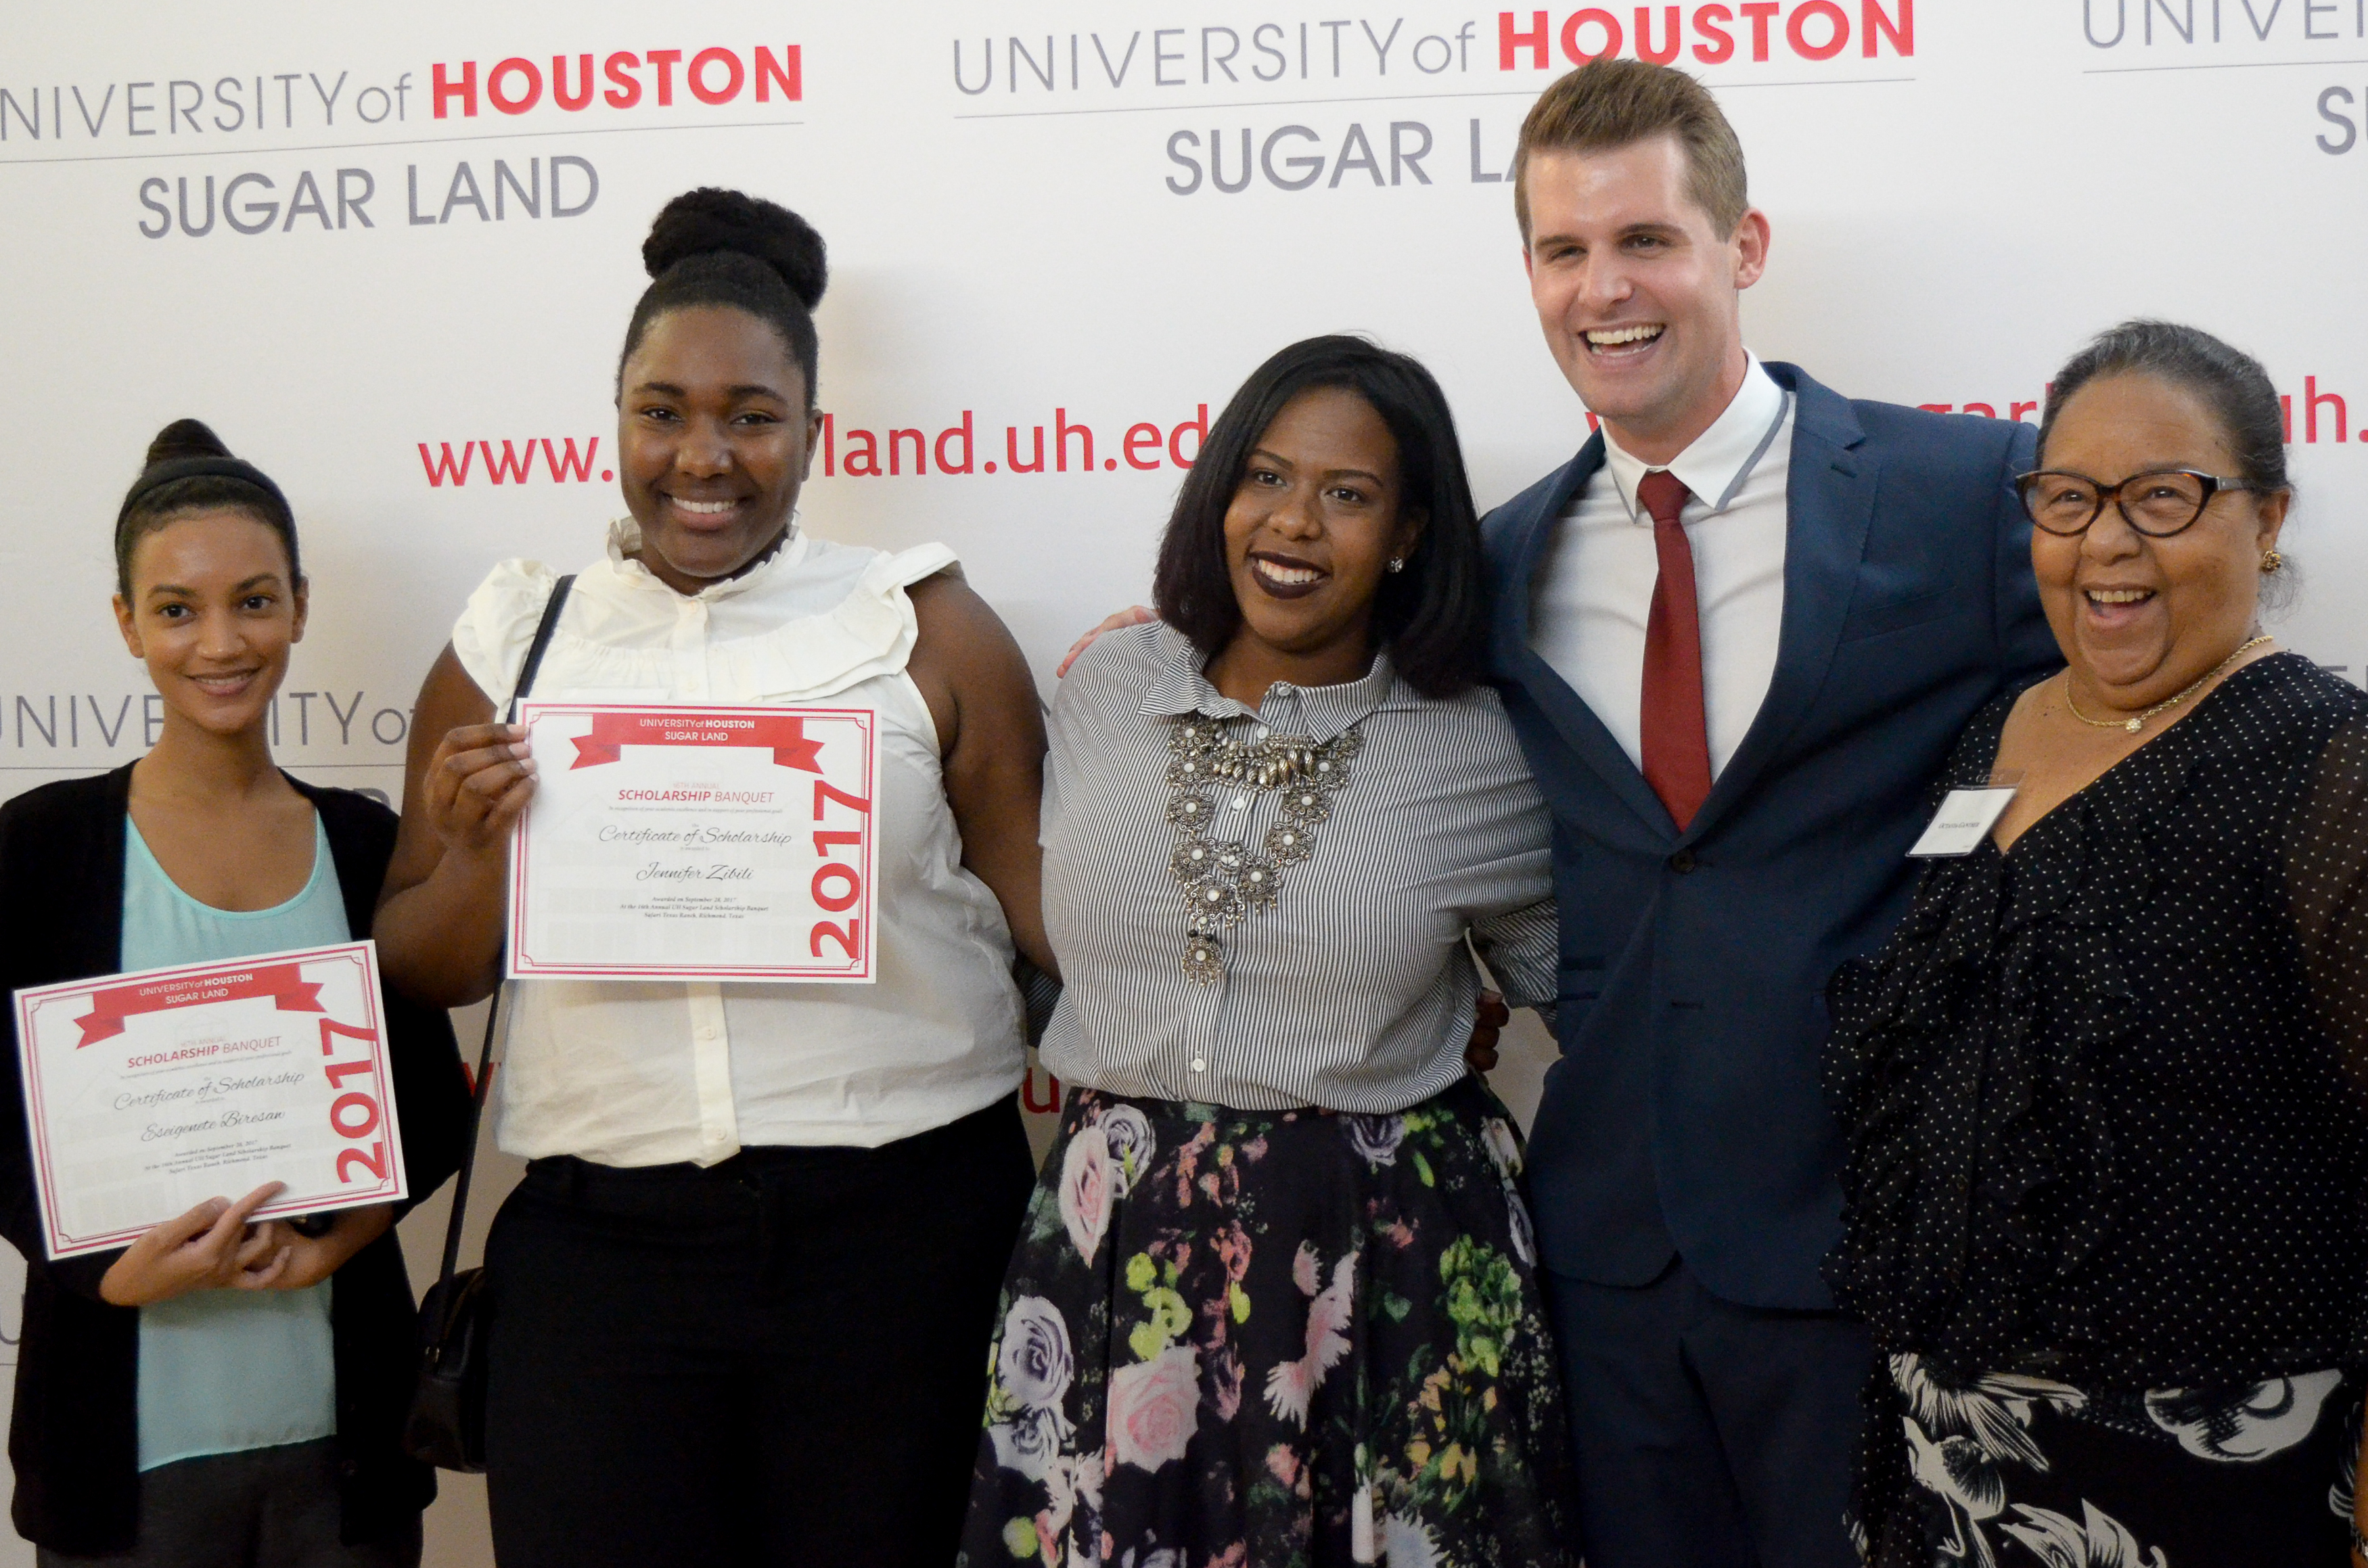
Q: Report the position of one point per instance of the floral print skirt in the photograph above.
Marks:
(2016, 1471)
(1273, 1339)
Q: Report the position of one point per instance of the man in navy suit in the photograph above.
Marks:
(1738, 634)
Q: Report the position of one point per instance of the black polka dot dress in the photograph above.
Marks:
(2106, 1195)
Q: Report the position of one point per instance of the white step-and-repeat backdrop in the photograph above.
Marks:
(389, 252)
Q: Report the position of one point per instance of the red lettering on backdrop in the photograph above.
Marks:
(1644, 49)
(1710, 22)
(1199, 426)
(465, 89)
(1757, 14)
(946, 438)
(785, 737)
(697, 76)
(664, 59)
(788, 73)
(1796, 30)
(559, 93)
(525, 101)
(1613, 36)
(618, 68)
(1874, 20)
(1507, 41)
(284, 984)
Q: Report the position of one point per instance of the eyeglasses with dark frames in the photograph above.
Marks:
(2158, 503)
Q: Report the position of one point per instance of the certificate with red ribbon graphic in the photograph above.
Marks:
(148, 1093)
(691, 843)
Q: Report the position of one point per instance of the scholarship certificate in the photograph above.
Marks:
(148, 1093)
(679, 843)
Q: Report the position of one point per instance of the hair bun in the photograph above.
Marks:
(185, 438)
(707, 220)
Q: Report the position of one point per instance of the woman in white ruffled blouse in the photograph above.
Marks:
(741, 1300)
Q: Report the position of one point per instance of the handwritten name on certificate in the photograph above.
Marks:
(148, 1093)
(676, 842)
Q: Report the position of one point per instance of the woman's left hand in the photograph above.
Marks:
(1489, 1016)
(311, 1259)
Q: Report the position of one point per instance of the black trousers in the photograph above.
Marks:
(777, 1359)
(275, 1507)
(1708, 1434)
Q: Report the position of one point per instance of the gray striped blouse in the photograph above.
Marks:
(1355, 990)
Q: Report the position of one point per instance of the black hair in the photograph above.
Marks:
(189, 470)
(721, 247)
(1432, 616)
(2231, 382)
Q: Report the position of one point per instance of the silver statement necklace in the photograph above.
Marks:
(1223, 884)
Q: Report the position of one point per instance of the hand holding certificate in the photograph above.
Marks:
(671, 843)
(148, 1093)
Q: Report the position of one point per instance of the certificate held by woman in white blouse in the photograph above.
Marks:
(681, 843)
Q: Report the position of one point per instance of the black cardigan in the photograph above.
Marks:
(73, 1440)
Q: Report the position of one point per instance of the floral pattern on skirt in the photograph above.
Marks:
(1274, 1339)
(2017, 1471)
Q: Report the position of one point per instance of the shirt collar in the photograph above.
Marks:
(625, 536)
(1722, 457)
(1319, 712)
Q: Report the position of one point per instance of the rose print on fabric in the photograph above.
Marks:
(1293, 1336)
(1034, 1367)
(1155, 1408)
(1034, 1361)
(1126, 1132)
(1086, 1194)
(1376, 1138)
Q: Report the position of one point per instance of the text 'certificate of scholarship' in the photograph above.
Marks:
(148, 1093)
(695, 844)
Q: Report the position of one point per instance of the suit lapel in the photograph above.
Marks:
(1531, 536)
(1829, 505)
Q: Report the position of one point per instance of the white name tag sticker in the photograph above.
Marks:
(1965, 819)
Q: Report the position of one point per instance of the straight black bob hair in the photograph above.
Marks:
(1432, 617)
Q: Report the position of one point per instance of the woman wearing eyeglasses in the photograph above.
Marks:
(2106, 1088)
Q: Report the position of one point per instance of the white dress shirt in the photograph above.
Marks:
(1594, 590)
(644, 1074)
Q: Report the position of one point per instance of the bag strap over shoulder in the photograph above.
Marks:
(527, 671)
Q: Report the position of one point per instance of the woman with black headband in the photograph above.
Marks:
(741, 1302)
(205, 1395)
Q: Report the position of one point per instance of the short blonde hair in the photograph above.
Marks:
(1613, 103)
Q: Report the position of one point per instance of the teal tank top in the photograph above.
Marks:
(223, 1371)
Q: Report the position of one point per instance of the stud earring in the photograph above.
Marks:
(2272, 563)
(1397, 563)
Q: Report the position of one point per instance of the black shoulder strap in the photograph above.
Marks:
(542, 630)
(527, 671)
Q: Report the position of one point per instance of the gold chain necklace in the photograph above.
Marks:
(2134, 724)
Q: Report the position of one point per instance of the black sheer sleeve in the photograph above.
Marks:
(2326, 855)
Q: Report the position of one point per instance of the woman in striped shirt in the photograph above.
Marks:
(1276, 1300)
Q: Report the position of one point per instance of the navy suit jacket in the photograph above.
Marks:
(1685, 1116)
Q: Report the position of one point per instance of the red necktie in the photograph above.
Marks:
(1676, 739)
